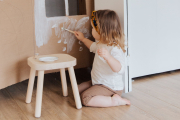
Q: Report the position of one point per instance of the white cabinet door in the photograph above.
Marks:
(153, 36)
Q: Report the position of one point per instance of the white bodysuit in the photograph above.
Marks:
(102, 73)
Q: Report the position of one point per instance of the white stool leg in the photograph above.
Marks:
(75, 88)
(63, 82)
(39, 93)
(30, 85)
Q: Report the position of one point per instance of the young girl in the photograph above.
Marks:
(106, 86)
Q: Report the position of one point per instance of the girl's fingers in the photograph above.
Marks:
(99, 50)
(102, 51)
(76, 33)
(101, 54)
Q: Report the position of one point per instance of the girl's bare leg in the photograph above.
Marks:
(84, 86)
(107, 101)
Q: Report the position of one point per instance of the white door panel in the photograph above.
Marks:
(153, 27)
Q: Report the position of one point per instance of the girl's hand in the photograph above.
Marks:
(79, 35)
(103, 53)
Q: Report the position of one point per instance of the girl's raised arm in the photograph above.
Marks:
(81, 37)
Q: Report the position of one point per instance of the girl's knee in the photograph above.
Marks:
(84, 86)
(85, 97)
(89, 83)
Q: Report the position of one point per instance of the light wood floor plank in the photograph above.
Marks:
(28, 109)
(167, 82)
(48, 110)
(159, 91)
(8, 108)
(175, 75)
(156, 107)
(129, 113)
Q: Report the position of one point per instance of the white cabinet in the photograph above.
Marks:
(152, 29)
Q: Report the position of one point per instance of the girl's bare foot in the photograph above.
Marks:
(117, 100)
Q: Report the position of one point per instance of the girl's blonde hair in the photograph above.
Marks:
(110, 29)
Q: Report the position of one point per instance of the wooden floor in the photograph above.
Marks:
(153, 97)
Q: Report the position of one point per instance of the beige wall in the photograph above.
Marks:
(16, 41)
(117, 6)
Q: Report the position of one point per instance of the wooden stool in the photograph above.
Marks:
(64, 61)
